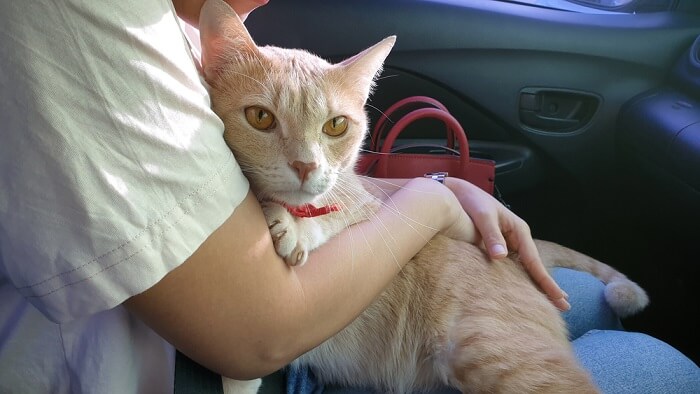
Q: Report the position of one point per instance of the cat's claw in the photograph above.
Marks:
(298, 256)
(283, 229)
(276, 237)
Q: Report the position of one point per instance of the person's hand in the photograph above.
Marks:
(456, 223)
(501, 230)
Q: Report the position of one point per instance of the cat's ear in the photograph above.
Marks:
(224, 37)
(362, 69)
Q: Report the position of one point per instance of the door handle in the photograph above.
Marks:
(556, 110)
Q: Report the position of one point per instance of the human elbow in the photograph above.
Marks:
(258, 360)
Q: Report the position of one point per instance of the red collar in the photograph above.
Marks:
(310, 211)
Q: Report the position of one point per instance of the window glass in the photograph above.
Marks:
(604, 3)
(601, 6)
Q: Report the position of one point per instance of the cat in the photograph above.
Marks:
(451, 317)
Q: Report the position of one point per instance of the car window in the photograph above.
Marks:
(601, 6)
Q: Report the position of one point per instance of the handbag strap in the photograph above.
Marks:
(404, 106)
(451, 124)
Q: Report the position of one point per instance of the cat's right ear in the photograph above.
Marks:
(224, 38)
(362, 69)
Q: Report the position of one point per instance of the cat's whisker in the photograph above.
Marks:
(380, 111)
(331, 199)
(395, 209)
(247, 76)
(393, 206)
(267, 73)
(357, 197)
(387, 76)
(390, 205)
(250, 170)
(363, 150)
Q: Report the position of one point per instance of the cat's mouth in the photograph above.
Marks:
(318, 191)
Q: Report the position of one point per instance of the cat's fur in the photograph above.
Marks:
(451, 317)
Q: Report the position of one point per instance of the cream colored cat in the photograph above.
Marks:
(451, 317)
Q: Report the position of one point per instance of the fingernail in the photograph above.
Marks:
(498, 250)
(566, 304)
(566, 295)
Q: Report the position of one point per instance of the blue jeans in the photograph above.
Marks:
(619, 361)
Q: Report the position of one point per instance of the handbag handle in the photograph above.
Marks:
(452, 125)
(408, 103)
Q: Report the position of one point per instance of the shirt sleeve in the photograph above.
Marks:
(113, 168)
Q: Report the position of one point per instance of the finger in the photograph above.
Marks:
(491, 236)
(562, 304)
(530, 258)
(550, 288)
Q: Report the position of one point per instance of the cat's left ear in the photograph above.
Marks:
(362, 69)
(223, 36)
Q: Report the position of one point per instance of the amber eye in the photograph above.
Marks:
(260, 118)
(336, 126)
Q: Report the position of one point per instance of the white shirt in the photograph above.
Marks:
(113, 170)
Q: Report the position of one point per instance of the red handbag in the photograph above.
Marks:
(383, 160)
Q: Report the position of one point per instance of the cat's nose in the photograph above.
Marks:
(303, 169)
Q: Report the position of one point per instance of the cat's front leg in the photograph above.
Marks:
(284, 230)
(294, 237)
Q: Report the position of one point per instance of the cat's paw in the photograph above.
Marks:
(231, 386)
(285, 234)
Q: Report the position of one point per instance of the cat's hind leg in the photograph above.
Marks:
(504, 362)
(504, 336)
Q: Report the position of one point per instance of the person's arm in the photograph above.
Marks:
(236, 308)
(500, 230)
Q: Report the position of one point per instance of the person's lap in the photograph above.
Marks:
(619, 361)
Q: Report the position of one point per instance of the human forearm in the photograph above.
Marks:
(235, 307)
(355, 266)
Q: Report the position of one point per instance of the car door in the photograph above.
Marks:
(592, 117)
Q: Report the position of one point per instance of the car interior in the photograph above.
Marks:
(590, 110)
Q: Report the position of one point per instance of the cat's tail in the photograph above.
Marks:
(624, 296)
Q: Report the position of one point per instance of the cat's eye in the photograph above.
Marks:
(260, 118)
(336, 127)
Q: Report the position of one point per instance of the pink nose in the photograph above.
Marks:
(303, 169)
